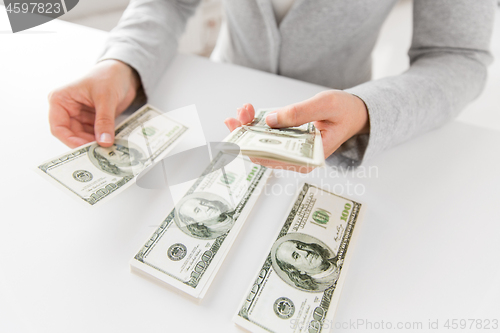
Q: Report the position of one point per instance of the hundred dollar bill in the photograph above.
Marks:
(298, 287)
(94, 173)
(300, 145)
(190, 244)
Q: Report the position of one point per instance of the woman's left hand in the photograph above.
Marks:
(336, 113)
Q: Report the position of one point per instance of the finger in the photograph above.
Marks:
(69, 138)
(89, 129)
(60, 123)
(77, 141)
(105, 120)
(86, 117)
(312, 109)
(85, 137)
(80, 131)
(332, 137)
(232, 123)
(247, 114)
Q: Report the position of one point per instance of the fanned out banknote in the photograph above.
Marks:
(300, 145)
(94, 173)
(188, 247)
(298, 286)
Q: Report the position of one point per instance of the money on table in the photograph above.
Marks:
(188, 247)
(300, 145)
(93, 173)
(298, 286)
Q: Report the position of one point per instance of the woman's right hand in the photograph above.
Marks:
(85, 110)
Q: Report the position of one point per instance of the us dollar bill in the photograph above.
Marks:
(300, 145)
(188, 247)
(298, 286)
(93, 173)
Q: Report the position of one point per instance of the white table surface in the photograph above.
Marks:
(428, 248)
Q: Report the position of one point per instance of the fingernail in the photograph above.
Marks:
(272, 119)
(105, 138)
(246, 107)
(239, 111)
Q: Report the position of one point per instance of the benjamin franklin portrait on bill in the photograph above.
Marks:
(121, 159)
(204, 215)
(305, 262)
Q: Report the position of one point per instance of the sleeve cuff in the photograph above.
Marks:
(374, 142)
(132, 57)
(361, 148)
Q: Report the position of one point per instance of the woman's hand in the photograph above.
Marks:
(85, 110)
(337, 114)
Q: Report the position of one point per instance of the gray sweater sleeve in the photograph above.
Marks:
(448, 59)
(147, 35)
(448, 68)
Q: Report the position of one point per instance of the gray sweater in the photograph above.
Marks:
(329, 42)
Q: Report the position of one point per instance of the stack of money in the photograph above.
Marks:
(189, 246)
(300, 145)
(298, 286)
(94, 174)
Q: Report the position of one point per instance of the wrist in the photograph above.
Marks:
(134, 77)
(362, 119)
(124, 70)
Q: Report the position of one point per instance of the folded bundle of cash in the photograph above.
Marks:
(298, 287)
(94, 173)
(189, 246)
(300, 145)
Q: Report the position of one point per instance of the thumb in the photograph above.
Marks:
(104, 127)
(312, 109)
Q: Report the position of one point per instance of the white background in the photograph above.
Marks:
(428, 248)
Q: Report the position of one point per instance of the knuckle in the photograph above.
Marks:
(55, 132)
(104, 122)
(328, 96)
(331, 97)
(105, 92)
(293, 114)
(55, 96)
(324, 94)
